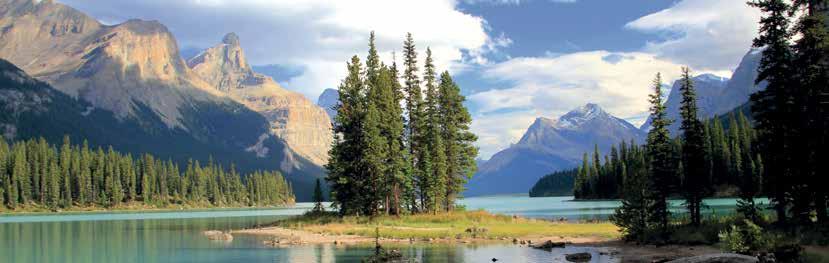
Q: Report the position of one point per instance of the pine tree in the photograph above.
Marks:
(433, 136)
(65, 176)
(457, 138)
(582, 186)
(318, 197)
(4, 177)
(414, 108)
(812, 98)
(20, 175)
(662, 167)
(772, 107)
(373, 161)
(695, 170)
(54, 184)
(632, 216)
(399, 171)
(342, 171)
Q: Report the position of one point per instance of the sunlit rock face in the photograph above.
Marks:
(304, 126)
(114, 67)
(135, 71)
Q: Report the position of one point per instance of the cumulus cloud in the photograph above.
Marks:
(704, 34)
(510, 2)
(551, 86)
(317, 35)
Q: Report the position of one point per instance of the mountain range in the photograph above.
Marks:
(126, 85)
(555, 145)
(550, 145)
(716, 95)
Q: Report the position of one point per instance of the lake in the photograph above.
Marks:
(176, 236)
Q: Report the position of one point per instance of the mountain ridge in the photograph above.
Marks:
(134, 71)
(550, 145)
(304, 126)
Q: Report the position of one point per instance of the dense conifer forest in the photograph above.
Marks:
(34, 173)
(399, 147)
(783, 156)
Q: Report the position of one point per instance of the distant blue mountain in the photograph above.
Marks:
(328, 100)
(716, 95)
(549, 146)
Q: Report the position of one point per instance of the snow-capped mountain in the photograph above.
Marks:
(550, 145)
(716, 95)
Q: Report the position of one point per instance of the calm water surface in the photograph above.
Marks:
(176, 236)
(564, 207)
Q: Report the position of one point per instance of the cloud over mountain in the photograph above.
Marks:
(317, 35)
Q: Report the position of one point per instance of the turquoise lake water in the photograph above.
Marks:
(176, 236)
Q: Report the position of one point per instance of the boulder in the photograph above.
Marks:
(218, 235)
(578, 257)
(717, 258)
(549, 244)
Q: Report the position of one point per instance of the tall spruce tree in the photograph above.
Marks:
(399, 169)
(434, 137)
(457, 138)
(415, 111)
(773, 107)
(343, 171)
(812, 98)
(374, 144)
(662, 168)
(695, 182)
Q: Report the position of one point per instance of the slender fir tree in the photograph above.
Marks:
(812, 98)
(662, 167)
(695, 181)
(457, 138)
(773, 107)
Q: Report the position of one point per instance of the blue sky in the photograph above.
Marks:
(516, 60)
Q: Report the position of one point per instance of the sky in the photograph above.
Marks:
(515, 60)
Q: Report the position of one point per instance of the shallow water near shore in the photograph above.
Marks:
(176, 236)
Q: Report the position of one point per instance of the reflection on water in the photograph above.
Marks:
(176, 236)
(180, 240)
(565, 207)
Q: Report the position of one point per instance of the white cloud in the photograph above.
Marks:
(552, 86)
(510, 2)
(704, 34)
(497, 131)
(318, 35)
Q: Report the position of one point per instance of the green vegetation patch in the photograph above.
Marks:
(473, 224)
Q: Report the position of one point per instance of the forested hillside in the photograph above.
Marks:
(34, 173)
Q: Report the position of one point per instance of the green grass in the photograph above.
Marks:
(448, 225)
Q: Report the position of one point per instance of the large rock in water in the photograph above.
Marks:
(549, 146)
(133, 71)
(305, 126)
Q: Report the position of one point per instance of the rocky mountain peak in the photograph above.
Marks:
(328, 100)
(578, 117)
(224, 66)
(231, 39)
(550, 145)
(305, 126)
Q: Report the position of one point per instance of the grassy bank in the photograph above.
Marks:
(466, 224)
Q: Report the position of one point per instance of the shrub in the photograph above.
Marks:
(745, 238)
